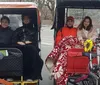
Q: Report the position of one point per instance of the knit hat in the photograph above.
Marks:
(70, 18)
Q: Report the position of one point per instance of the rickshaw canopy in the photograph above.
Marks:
(86, 4)
(17, 7)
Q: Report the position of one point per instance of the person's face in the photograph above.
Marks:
(86, 23)
(4, 23)
(26, 20)
(70, 23)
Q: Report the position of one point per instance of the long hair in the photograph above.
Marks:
(81, 25)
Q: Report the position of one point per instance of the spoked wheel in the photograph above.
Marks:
(87, 81)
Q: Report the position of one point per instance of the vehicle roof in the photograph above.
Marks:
(18, 5)
(87, 4)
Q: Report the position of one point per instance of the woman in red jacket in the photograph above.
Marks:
(67, 30)
(56, 61)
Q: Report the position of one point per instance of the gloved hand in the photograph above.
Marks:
(85, 54)
(51, 76)
(88, 54)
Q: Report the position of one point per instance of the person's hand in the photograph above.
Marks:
(21, 43)
(50, 64)
(28, 42)
(51, 76)
(82, 42)
(50, 67)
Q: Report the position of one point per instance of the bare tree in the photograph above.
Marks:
(40, 3)
(51, 5)
(46, 15)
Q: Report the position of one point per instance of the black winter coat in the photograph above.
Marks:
(5, 35)
(23, 34)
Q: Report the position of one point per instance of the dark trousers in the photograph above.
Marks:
(32, 62)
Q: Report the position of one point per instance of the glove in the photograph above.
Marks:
(85, 54)
(88, 54)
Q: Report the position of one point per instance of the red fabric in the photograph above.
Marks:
(65, 31)
(78, 63)
(59, 56)
(68, 60)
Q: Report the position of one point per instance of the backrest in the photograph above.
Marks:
(78, 64)
(12, 63)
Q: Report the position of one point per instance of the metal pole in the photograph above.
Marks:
(91, 61)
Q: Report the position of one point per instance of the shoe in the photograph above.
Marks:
(39, 77)
(10, 79)
(29, 80)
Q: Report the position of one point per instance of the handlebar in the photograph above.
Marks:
(87, 54)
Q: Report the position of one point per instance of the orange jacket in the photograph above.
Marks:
(65, 31)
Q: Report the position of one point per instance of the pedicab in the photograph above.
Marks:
(88, 68)
(13, 57)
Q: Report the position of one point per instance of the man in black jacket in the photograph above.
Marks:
(23, 38)
(25, 34)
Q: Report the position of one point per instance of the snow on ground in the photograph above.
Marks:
(46, 47)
